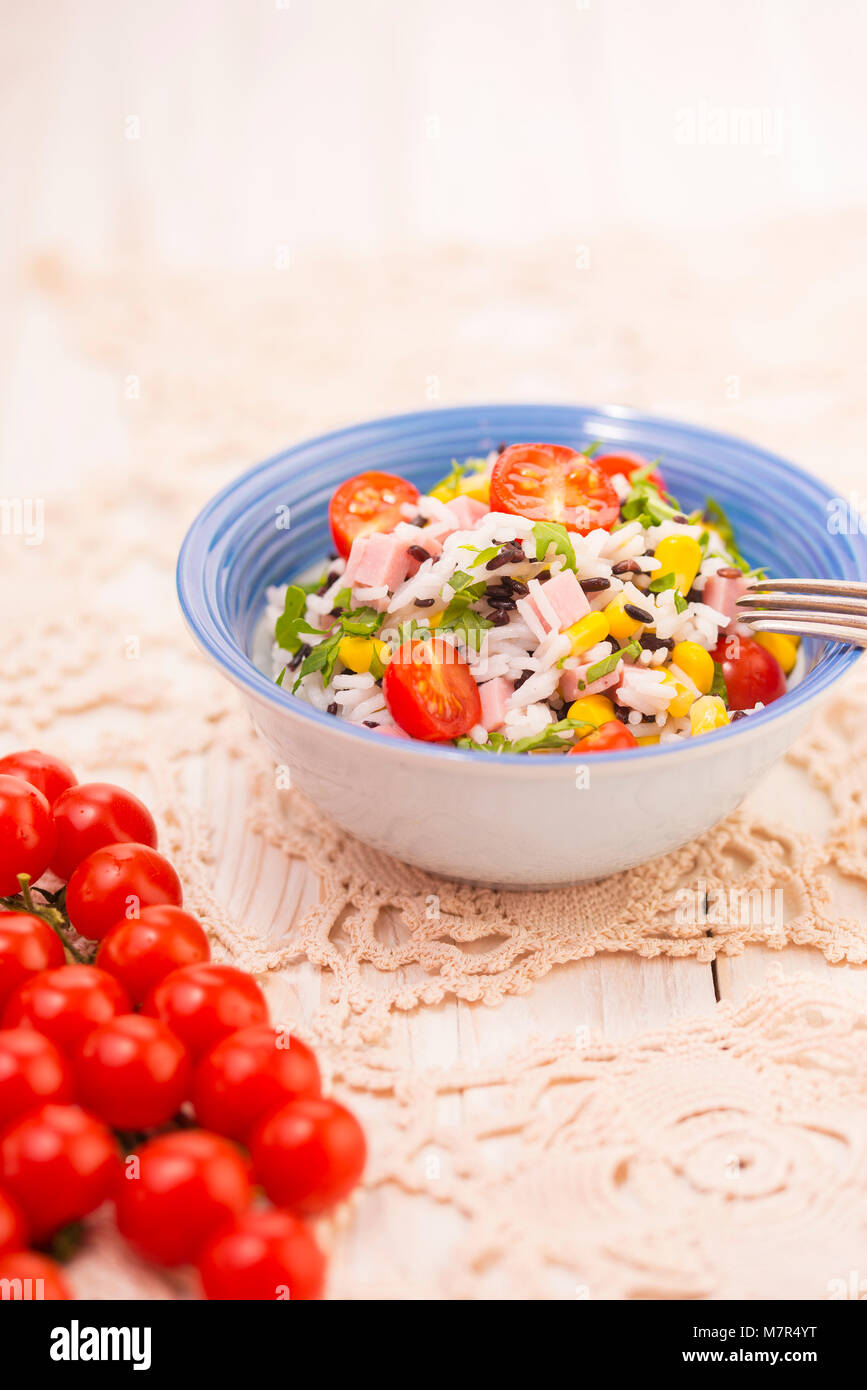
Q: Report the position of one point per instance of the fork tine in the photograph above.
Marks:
(817, 602)
(846, 588)
(853, 631)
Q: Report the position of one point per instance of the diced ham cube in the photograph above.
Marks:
(569, 687)
(567, 599)
(722, 591)
(493, 695)
(382, 560)
(467, 511)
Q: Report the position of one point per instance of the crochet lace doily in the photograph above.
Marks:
(723, 1156)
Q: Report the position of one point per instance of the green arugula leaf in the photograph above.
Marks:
(291, 623)
(361, 622)
(718, 684)
(279, 680)
(680, 602)
(468, 624)
(552, 736)
(608, 663)
(458, 471)
(665, 581)
(548, 533)
(321, 658)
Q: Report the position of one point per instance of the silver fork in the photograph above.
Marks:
(835, 609)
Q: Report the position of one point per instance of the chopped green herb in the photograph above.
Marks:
(452, 480)
(551, 533)
(608, 663)
(680, 602)
(552, 736)
(665, 581)
(323, 657)
(466, 623)
(361, 622)
(291, 622)
(718, 684)
(279, 680)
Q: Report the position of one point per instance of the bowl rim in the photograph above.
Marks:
(216, 641)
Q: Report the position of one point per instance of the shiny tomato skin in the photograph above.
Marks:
(33, 1073)
(366, 503)
(751, 673)
(27, 945)
(59, 1164)
(93, 814)
(248, 1075)
(115, 881)
(14, 1228)
(309, 1154)
(47, 774)
(608, 738)
(141, 951)
(430, 691)
(264, 1255)
(548, 482)
(627, 464)
(185, 1188)
(132, 1072)
(65, 1004)
(27, 834)
(40, 1278)
(204, 1003)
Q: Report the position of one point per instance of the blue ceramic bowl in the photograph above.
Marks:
(508, 820)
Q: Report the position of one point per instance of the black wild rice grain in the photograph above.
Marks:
(499, 618)
(517, 586)
(370, 723)
(419, 520)
(595, 586)
(335, 612)
(503, 605)
(524, 676)
(651, 643)
(425, 602)
(640, 615)
(622, 712)
(511, 554)
(419, 553)
(501, 448)
(304, 650)
(543, 575)
(694, 596)
(332, 708)
(626, 567)
(738, 714)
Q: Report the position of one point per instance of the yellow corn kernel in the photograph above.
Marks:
(696, 663)
(648, 738)
(359, 653)
(444, 493)
(477, 486)
(680, 556)
(589, 630)
(620, 625)
(682, 698)
(435, 621)
(592, 709)
(708, 713)
(781, 646)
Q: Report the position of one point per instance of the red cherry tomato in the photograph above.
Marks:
(65, 1004)
(30, 1277)
(94, 814)
(143, 950)
(366, 503)
(47, 774)
(264, 1255)
(309, 1154)
(430, 691)
(608, 738)
(185, 1188)
(133, 1073)
(27, 834)
(33, 1072)
(626, 464)
(204, 1003)
(27, 945)
(249, 1074)
(751, 673)
(14, 1230)
(547, 482)
(118, 881)
(58, 1163)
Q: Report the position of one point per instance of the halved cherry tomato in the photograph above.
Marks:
(751, 673)
(141, 951)
(58, 1163)
(118, 881)
(608, 738)
(264, 1255)
(132, 1072)
(27, 945)
(46, 773)
(430, 691)
(547, 482)
(627, 464)
(366, 503)
(27, 833)
(65, 1004)
(94, 814)
(31, 1277)
(33, 1072)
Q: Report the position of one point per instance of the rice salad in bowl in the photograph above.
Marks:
(542, 599)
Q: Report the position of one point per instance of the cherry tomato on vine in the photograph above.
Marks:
(132, 1072)
(626, 464)
(58, 1163)
(186, 1187)
(141, 951)
(608, 738)
(93, 814)
(115, 881)
(65, 1004)
(204, 1003)
(547, 482)
(14, 1230)
(430, 691)
(47, 774)
(264, 1255)
(33, 1072)
(27, 945)
(248, 1075)
(751, 673)
(27, 833)
(33, 1276)
(366, 503)
(309, 1154)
